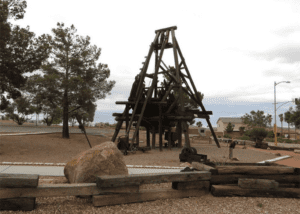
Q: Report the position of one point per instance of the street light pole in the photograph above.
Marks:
(275, 125)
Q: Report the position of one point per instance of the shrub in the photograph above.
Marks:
(229, 128)
(271, 134)
(289, 141)
(227, 136)
(245, 138)
(219, 136)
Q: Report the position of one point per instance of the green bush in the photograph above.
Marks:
(219, 136)
(258, 134)
(227, 136)
(289, 141)
(270, 139)
(270, 134)
(245, 138)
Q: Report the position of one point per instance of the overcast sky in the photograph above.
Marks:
(235, 50)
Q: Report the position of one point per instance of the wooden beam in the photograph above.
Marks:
(169, 138)
(149, 94)
(160, 128)
(18, 180)
(255, 170)
(57, 190)
(153, 178)
(234, 191)
(148, 136)
(167, 94)
(165, 29)
(18, 204)
(191, 185)
(153, 137)
(179, 133)
(146, 195)
(195, 90)
(141, 83)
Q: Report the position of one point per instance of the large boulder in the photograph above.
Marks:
(104, 159)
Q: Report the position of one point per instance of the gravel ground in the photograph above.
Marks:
(205, 204)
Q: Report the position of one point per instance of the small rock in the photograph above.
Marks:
(235, 159)
(278, 154)
(268, 148)
(297, 151)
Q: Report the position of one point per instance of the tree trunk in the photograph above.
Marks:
(289, 130)
(65, 133)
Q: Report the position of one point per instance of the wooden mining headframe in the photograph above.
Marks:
(157, 108)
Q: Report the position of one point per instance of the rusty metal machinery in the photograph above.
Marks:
(160, 109)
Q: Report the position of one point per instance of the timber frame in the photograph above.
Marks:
(157, 108)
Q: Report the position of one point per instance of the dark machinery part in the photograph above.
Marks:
(190, 155)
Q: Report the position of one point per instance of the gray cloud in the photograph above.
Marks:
(285, 53)
(286, 31)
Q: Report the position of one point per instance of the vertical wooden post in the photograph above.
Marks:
(127, 117)
(169, 138)
(186, 135)
(160, 128)
(179, 133)
(153, 137)
(148, 136)
(138, 138)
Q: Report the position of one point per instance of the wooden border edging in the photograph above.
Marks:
(146, 195)
(153, 178)
(235, 191)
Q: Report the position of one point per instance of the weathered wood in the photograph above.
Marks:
(15, 204)
(149, 94)
(18, 180)
(203, 167)
(179, 133)
(138, 137)
(191, 185)
(169, 138)
(233, 178)
(153, 137)
(258, 170)
(250, 183)
(129, 180)
(234, 191)
(160, 128)
(148, 136)
(146, 195)
(56, 190)
(195, 92)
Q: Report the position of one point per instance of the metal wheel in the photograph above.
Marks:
(194, 151)
(186, 151)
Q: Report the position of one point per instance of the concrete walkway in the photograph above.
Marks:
(59, 171)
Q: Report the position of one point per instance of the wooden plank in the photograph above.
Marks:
(203, 167)
(144, 71)
(129, 180)
(160, 128)
(258, 170)
(148, 136)
(250, 183)
(195, 92)
(56, 190)
(233, 178)
(191, 185)
(15, 204)
(179, 133)
(153, 137)
(18, 180)
(234, 191)
(146, 195)
(169, 138)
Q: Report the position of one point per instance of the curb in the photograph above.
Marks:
(276, 159)
(64, 164)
